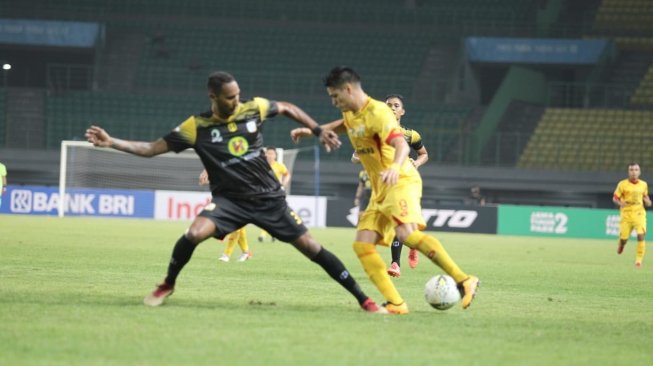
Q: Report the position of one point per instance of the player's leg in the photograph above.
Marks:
(229, 243)
(244, 245)
(281, 222)
(625, 228)
(200, 229)
(395, 265)
(375, 267)
(434, 250)
(641, 243)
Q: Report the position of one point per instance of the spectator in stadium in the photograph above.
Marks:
(475, 197)
(282, 174)
(414, 141)
(239, 236)
(3, 181)
(631, 195)
(396, 188)
(244, 190)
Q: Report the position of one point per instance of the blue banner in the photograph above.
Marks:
(49, 33)
(34, 200)
(529, 50)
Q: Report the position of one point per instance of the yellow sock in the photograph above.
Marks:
(230, 243)
(433, 249)
(242, 240)
(641, 250)
(375, 268)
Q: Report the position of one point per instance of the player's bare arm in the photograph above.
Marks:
(647, 201)
(391, 176)
(328, 138)
(422, 157)
(300, 132)
(100, 138)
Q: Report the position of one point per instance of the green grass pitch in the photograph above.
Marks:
(71, 293)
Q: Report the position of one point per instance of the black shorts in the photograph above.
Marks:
(271, 214)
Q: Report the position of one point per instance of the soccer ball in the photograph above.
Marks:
(441, 292)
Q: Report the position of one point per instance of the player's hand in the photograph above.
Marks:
(390, 176)
(297, 133)
(204, 178)
(647, 201)
(330, 140)
(98, 137)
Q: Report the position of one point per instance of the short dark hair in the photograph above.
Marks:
(398, 96)
(217, 79)
(633, 163)
(340, 75)
(271, 148)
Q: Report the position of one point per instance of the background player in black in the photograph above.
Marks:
(244, 189)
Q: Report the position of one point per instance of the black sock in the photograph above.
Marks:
(180, 256)
(336, 269)
(396, 251)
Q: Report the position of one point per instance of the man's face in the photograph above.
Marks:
(225, 103)
(397, 107)
(341, 97)
(271, 155)
(633, 172)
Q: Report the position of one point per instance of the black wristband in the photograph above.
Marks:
(317, 131)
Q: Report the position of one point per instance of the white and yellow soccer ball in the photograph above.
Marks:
(441, 292)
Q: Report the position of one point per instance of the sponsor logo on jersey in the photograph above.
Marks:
(238, 146)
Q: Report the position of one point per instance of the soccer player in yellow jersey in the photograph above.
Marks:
(235, 237)
(414, 141)
(631, 195)
(281, 172)
(396, 188)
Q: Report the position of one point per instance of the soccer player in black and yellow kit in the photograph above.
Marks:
(396, 188)
(631, 195)
(244, 190)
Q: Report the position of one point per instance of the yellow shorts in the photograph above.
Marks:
(401, 205)
(632, 220)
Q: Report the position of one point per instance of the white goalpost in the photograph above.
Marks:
(84, 166)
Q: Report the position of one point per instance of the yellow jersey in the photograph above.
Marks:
(370, 131)
(633, 193)
(279, 170)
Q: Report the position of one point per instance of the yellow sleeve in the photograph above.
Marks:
(263, 107)
(415, 138)
(618, 194)
(385, 124)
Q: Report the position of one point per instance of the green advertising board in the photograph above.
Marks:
(558, 221)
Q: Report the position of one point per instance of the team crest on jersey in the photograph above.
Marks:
(357, 132)
(232, 127)
(238, 146)
(251, 126)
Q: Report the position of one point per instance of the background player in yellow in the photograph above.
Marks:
(631, 195)
(3, 181)
(236, 237)
(414, 141)
(396, 188)
(281, 172)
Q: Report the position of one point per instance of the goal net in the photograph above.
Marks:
(84, 167)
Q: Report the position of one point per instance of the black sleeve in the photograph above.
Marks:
(273, 110)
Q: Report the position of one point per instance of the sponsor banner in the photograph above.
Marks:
(559, 221)
(35, 200)
(445, 218)
(529, 50)
(176, 205)
(49, 32)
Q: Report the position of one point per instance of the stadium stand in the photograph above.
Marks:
(589, 139)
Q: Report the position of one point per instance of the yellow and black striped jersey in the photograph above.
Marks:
(231, 150)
